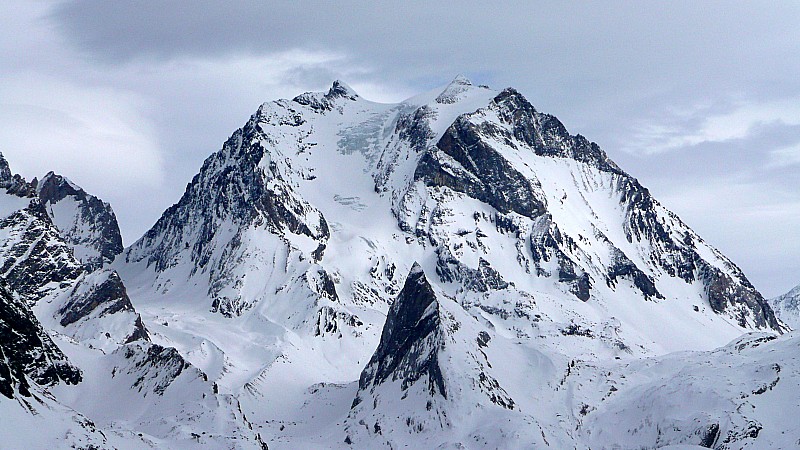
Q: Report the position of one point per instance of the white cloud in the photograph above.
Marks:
(94, 135)
(680, 131)
(784, 157)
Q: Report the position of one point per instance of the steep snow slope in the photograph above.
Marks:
(275, 271)
(787, 307)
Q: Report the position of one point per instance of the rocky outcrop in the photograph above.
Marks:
(40, 266)
(241, 188)
(14, 184)
(27, 352)
(463, 162)
(34, 260)
(409, 346)
(737, 298)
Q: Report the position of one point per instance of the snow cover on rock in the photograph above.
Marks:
(275, 271)
(452, 271)
(84, 221)
(76, 367)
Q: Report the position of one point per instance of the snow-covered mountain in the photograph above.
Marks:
(76, 357)
(275, 271)
(452, 271)
(787, 307)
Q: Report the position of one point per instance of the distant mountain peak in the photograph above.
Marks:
(456, 90)
(85, 222)
(341, 89)
(787, 307)
(327, 101)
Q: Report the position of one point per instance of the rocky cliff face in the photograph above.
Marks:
(85, 222)
(408, 350)
(28, 352)
(39, 264)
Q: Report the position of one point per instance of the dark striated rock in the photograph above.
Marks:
(234, 191)
(463, 162)
(324, 103)
(546, 242)
(14, 184)
(35, 259)
(622, 266)
(90, 223)
(331, 321)
(154, 367)
(231, 187)
(710, 436)
(28, 351)
(101, 298)
(408, 349)
(546, 135)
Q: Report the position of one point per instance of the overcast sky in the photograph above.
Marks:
(699, 100)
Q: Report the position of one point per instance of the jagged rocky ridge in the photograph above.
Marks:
(38, 260)
(27, 351)
(87, 309)
(410, 340)
(86, 223)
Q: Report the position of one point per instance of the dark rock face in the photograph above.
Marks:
(234, 191)
(36, 261)
(35, 258)
(14, 184)
(27, 350)
(331, 322)
(231, 188)
(622, 266)
(732, 295)
(323, 103)
(481, 279)
(481, 172)
(746, 303)
(154, 367)
(110, 294)
(546, 134)
(93, 223)
(546, 242)
(408, 349)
